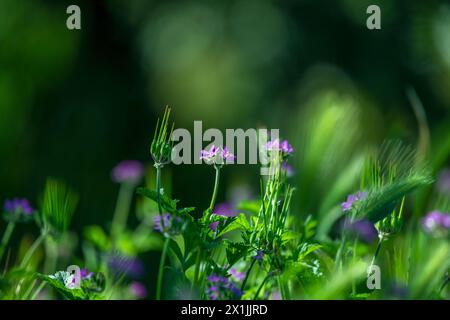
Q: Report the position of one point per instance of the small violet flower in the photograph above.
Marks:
(351, 199)
(227, 156)
(286, 167)
(85, 274)
(161, 224)
(18, 206)
(128, 171)
(18, 210)
(137, 290)
(221, 288)
(259, 255)
(224, 209)
(217, 155)
(237, 275)
(283, 146)
(168, 224)
(213, 226)
(363, 229)
(436, 222)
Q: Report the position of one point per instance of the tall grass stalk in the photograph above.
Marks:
(5, 239)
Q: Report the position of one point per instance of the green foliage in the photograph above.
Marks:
(58, 206)
(62, 282)
(388, 176)
(161, 147)
(167, 203)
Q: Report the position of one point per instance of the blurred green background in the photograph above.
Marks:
(73, 103)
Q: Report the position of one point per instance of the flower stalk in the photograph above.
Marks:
(6, 237)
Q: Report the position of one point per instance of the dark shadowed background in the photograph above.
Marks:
(73, 103)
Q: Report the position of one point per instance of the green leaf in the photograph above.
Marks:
(235, 251)
(166, 202)
(71, 294)
(97, 237)
(306, 249)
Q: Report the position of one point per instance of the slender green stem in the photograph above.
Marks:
(377, 251)
(280, 285)
(260, 287)
(355, 243)
(446, 281)
(5, 239)
(32, 249)
(248, 274)
(216, 188)
(38, 290)
(29, 290)
(122, 209)
(197, 268)
(51, 255)
(158, 187)
(161, 269)
(339, 254)
(167, 240)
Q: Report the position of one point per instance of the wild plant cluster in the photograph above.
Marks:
(266, 247)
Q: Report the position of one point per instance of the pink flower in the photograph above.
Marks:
(128, 171)
(216, 155)
(283, 146)
(213, 226)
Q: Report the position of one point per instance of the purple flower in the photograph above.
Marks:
(283, 146)
(159, 225)
(276, 296)
(436, 221)
(217, 155)
(168, 225)
(18, 207)
(227, 156)
(128, 171)
(224, 209)
(209, 156)
(237, 275)
(443, 182)
(286, 167)
(85, 274)
(213, 226)
(363, 229)
(213, 278)
(351, 199)
(259, 255)
(129, 266)
(286, 147)
(220, 287)
(138, 290)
